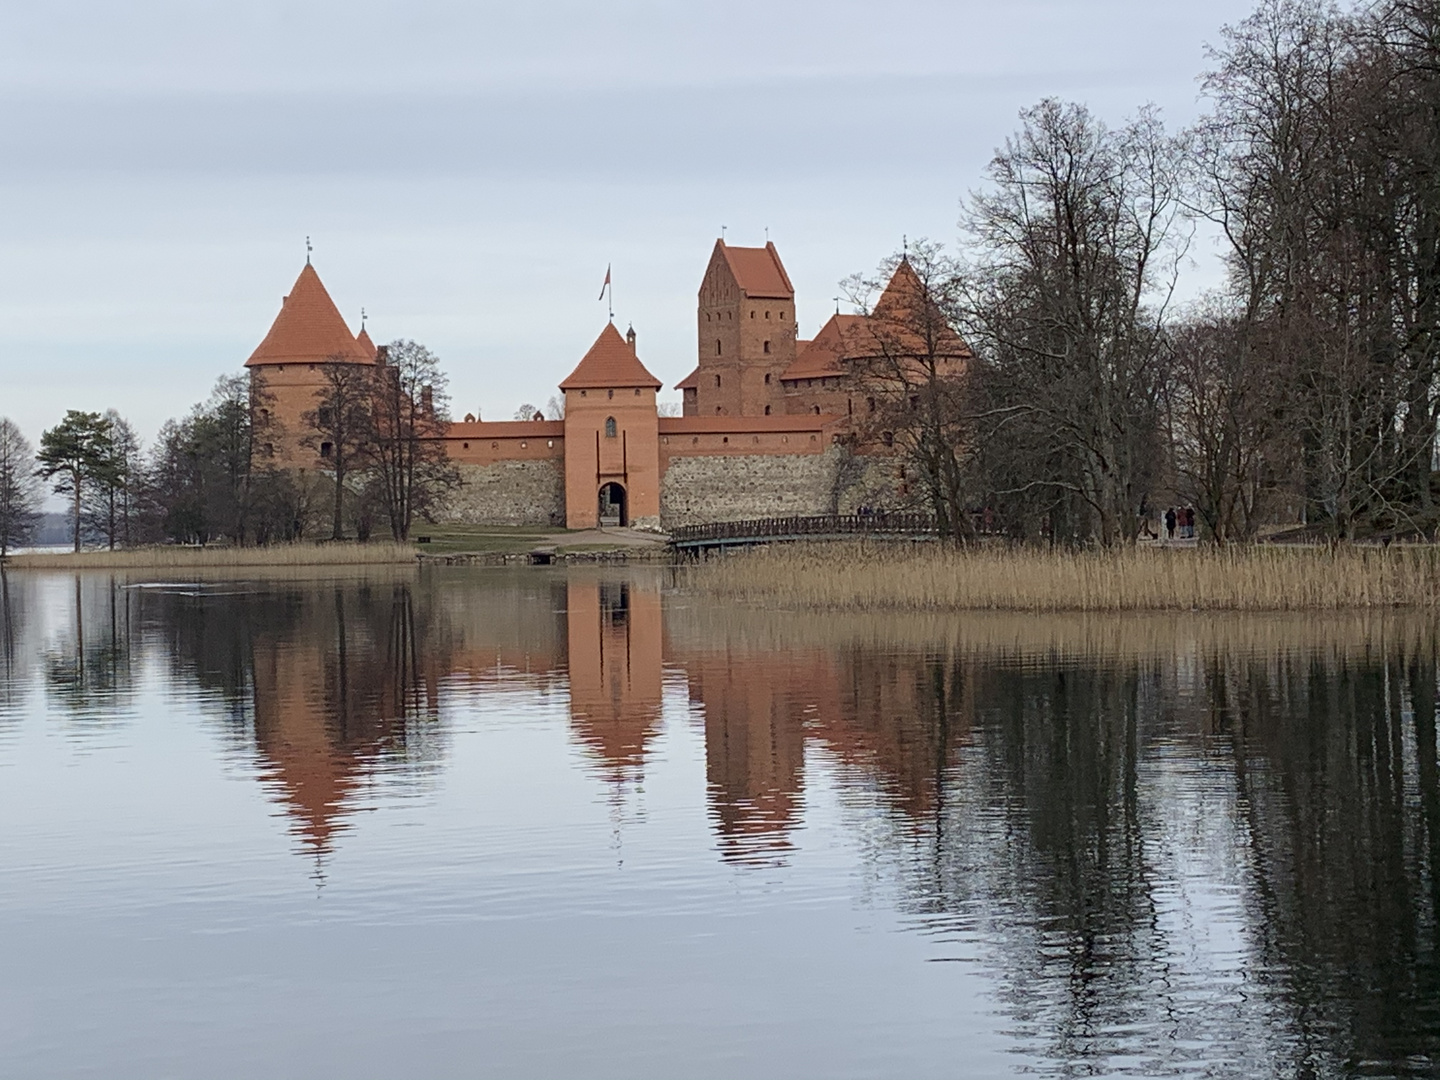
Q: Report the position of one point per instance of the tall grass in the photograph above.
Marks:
(187, 558)
(873, 577)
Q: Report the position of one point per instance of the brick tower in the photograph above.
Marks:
(746, 326)
(307, 333)
(612, 436)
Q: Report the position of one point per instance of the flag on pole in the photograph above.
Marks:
(607, 283)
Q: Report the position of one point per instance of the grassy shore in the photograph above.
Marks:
(860, 577)
(377, 553)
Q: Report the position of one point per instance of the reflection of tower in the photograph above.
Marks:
(333, 698)
(755, 709)
(614, 643)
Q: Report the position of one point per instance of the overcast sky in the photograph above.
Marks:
(467, 170)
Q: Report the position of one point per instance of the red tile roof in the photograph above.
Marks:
(363, 340)
(759, 271)
(690, 382)
(308, 329)
(611, 362)
(840, 338)
(891, 330)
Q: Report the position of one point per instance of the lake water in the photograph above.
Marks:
(548, 823)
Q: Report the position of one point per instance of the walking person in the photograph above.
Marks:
(1170, 524)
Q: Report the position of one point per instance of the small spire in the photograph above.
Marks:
(837, 305)
(362, 318)
(722, 233)
(904, 246)
(767, 234)
(308, 249)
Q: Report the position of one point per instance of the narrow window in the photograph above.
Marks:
(717, 380)
(767, 314)
(782, 316)
(870, 403)
(767, 410)
(610, 393)
(717, 346)
(610, 427)
(466, 445)
(765, 347)
(817, 413)
(325, 449)
(767, 378)
(752, 313)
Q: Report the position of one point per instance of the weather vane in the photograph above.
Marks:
(722, 231)
(308, 249)
(362, 318)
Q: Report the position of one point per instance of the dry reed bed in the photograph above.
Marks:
(875, 577)
(222, 558)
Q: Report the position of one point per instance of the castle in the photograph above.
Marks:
(772, 425)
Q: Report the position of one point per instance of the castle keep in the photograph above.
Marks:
(772, 425)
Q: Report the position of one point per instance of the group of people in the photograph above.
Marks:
(1181, 518)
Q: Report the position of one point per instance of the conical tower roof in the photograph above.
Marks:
(308, 329)
(363, 340)
(611, 362)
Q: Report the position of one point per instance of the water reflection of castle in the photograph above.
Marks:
(351, 688)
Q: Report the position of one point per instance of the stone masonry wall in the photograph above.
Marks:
(509, 493)
(739, 487)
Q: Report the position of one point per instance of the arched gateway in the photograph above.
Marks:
(612, 505)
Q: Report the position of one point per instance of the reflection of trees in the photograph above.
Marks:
(90, 672)
(1202, 848)
(1336, 762)
(14, 603)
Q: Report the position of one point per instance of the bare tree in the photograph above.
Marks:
(1077, 243)
(409, 418)
(1225, 405)
(342, 427)
(19, 487)
(909, 363)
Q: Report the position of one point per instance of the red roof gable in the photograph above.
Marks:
(758, 271)
(840, 338)
(611, 362)
(308, 329)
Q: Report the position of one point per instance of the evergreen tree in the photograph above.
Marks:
(75, 454)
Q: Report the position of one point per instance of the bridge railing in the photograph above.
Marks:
(813, 525)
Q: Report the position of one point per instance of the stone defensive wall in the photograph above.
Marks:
(711, 469)
(512, 473)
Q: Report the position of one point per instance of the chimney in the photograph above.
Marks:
(630, 337)
(427, 401)
(382, 355)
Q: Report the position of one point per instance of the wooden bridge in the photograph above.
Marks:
(723, 534)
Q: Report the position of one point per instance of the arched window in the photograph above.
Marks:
(767, 378)
(767, 410)
(610, 427)
(817, 410)
(766, 347)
